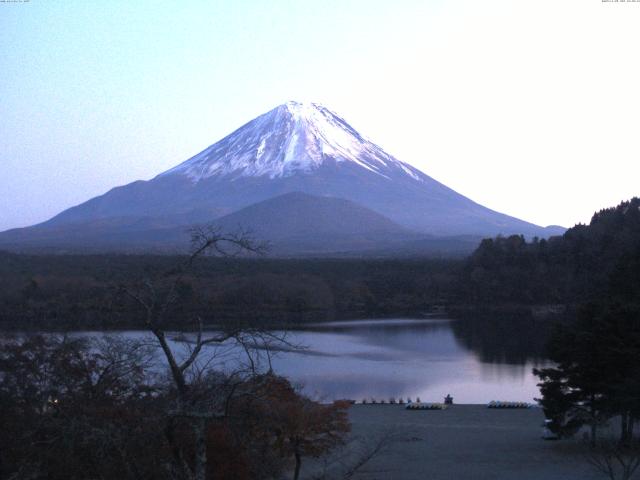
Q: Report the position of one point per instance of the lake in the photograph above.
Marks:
(403, 358)
(474, 361)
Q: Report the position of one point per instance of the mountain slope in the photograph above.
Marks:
(298, 214)
(293, 148)
(293, 224)
(296, 222)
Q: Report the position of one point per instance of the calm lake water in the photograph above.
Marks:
(475, 361)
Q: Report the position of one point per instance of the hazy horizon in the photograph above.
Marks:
(528, 109)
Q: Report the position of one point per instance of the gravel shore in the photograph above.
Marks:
(465, 442)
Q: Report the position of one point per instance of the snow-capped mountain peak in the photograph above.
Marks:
(295, 137)
(297, 171)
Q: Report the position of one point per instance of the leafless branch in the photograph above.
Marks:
(616, 460)
(199, 395)
(356, 456)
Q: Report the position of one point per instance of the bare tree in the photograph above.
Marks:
(200, 398)
(614, 459)
(157, 295)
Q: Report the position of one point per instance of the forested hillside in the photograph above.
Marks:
(569, 269)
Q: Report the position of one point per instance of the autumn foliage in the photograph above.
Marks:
(77, 409)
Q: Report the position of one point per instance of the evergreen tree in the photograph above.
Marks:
(598, 370)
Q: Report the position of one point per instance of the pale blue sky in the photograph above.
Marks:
(530, 108)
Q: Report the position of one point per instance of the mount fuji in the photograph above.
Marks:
(306, 156)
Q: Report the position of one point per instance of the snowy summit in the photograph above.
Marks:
(291, 138)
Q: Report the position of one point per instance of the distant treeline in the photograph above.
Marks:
(84, 291)
(69, 291)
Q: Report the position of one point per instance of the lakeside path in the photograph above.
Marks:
(467, 442)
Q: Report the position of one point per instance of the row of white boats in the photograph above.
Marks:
(418, 405)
